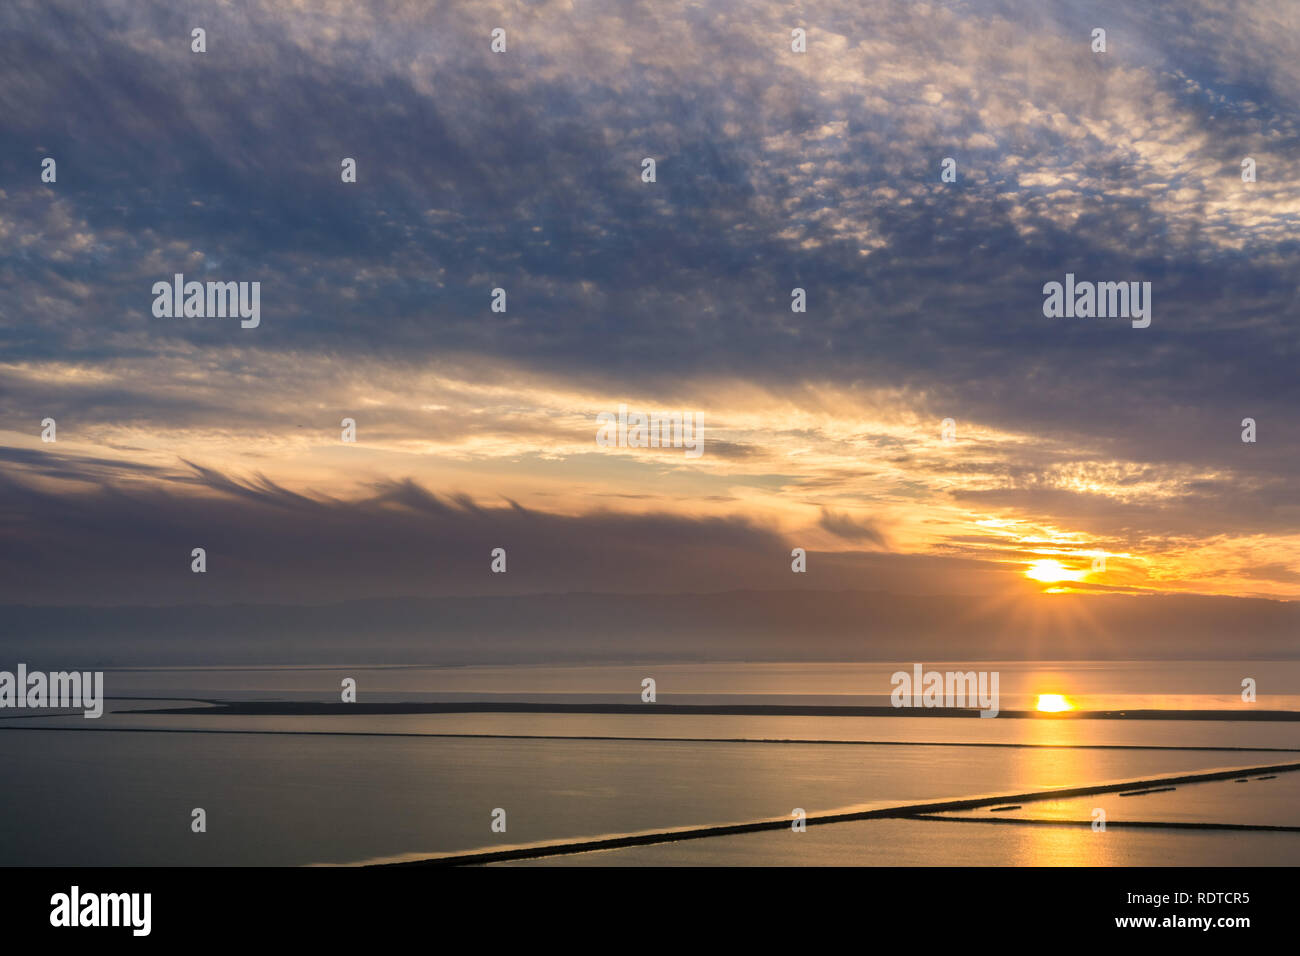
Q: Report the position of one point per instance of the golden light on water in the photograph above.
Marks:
(1053, 703)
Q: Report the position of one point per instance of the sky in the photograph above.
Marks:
(1075, 438)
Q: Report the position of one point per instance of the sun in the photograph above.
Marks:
(1049, 571)
(1053, 704)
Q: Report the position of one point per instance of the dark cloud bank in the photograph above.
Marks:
(404, 576)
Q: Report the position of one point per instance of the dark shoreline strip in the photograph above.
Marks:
(1110, 824)
(662, 740)
(905, 812)
(1138, 793)
(286, 708)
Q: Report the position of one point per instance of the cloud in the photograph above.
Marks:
(851, 529)
(776, 170)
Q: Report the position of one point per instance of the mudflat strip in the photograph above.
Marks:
(918, 810)
(285, 708)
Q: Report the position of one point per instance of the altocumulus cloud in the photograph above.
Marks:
(776, 170)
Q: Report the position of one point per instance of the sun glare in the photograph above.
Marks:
(1049, 571)
(1053, 703)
